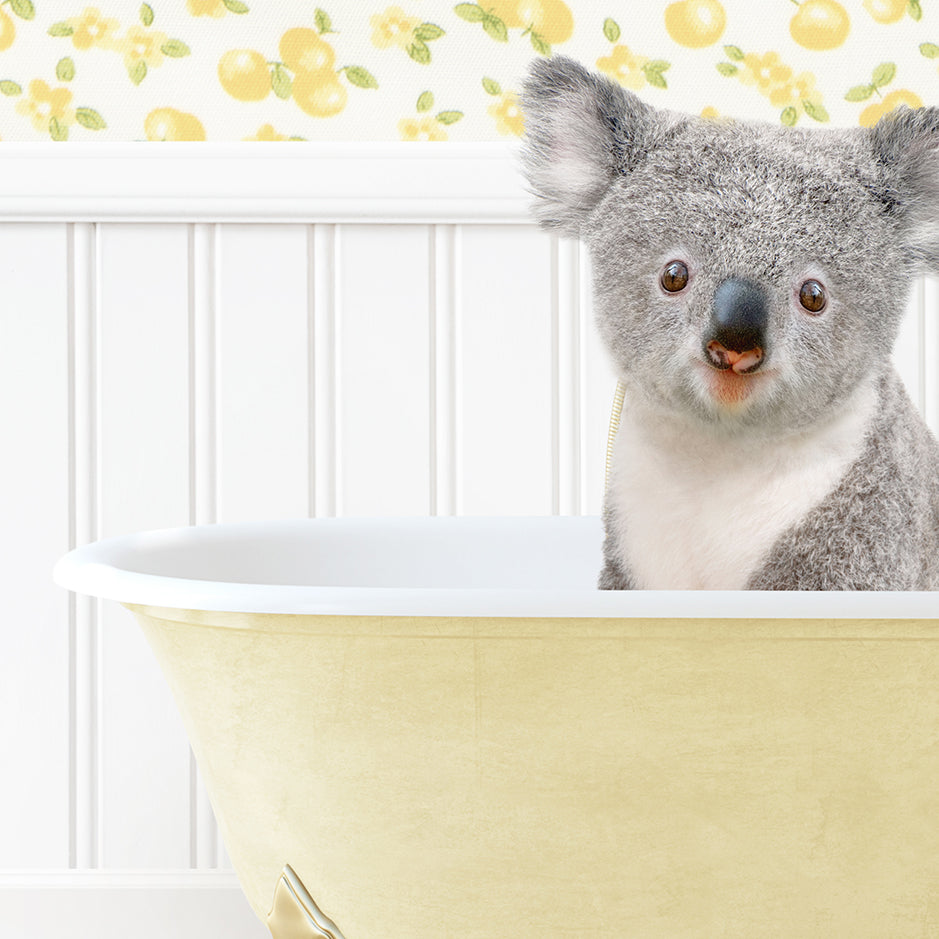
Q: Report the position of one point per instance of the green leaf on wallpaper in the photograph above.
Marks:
(90, 119)
(815, 111)
(65, 70)
(146, 15)
(789, 116)
(471, 12)
(419, 52)
(883, 74)
(492, 87)
(10, 88)
(930, 50)
(654, 75)
(137, 72)
(915, 10)
(734, 52)
(323, 23)
(426, 101)
(859, 93)
(233, 6)
(61, 29)
(58, 131)
(449, 117)
(727, 69)
(281, 82)
(611, 29)
(539, 43)
(359, 76)
(427, 32)
(175, 48)
(495, 27)
(25, 10)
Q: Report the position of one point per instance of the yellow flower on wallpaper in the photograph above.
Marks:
(267, 133)
(764, 71)
(392, 28)
(795, 94)
(395, 28)
(93, 29)
(421, 128)
(141, 46)
(629, 69)
(624, 67)
(170, 124)
(45, 105)
(427, 128)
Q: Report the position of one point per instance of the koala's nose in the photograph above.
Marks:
(736, 337)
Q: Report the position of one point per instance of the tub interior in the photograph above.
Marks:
(434, 552)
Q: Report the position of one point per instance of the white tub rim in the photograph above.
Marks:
(106, 569)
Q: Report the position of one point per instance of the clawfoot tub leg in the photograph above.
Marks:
(294, 915)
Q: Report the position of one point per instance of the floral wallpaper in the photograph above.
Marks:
(434, 70)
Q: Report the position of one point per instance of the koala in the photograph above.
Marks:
(749, 282)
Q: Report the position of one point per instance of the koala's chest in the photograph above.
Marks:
(706, 518)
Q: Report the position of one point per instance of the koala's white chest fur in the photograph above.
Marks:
(698, 511)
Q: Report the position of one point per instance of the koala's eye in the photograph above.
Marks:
(812, 296)
(675, 276)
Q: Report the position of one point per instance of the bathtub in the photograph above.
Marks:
(437, 728)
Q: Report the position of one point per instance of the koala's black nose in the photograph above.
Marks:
(737, 335)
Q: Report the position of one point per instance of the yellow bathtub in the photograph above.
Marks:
(437, 729)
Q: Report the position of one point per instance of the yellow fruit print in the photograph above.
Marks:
(552, 20)
(820, 24)
(886, 11)
(266, 133)
(319, 94)
(874, 112)
(695, 23)
(427, 128)
(305, 72)
(7, 31)
(170, 124)
(304, 50)
(544, 22)
(215, 8)
(244, 75)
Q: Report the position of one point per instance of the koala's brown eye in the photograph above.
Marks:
(675, 276)
(812, 296)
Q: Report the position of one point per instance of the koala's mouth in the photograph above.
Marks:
(732, 387)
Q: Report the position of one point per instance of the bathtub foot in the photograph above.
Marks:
(294, 915)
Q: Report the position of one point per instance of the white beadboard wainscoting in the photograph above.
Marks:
(202, 333)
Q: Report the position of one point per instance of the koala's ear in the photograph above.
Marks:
(581, 131)
(906, 142)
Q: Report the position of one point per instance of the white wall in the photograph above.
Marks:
(230, 334)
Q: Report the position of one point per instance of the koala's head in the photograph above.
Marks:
(745, 274)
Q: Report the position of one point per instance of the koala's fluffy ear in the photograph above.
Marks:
(581, 131)
(906, 142)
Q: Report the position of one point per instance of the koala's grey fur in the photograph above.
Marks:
(764, 202)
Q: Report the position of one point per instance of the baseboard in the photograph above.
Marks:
(120, 904)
